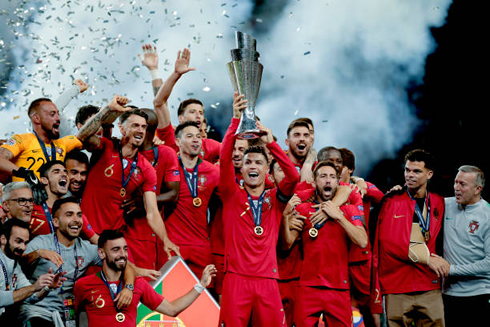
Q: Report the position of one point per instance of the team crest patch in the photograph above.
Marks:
(80, 262)
(14, 281)
(176, 173)
(11, 142)
(473, 226)
(137, 173)
(60, 151)
(202, 180)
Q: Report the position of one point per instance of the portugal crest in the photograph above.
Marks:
(473, 226)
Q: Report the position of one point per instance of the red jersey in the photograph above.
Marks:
(325, 258)
(164, 160)
(209, 151)
(93, 296)
(373, 194)
(247, 253)
(39, 223)
(396, 272)
(103, 206)
(188, 224)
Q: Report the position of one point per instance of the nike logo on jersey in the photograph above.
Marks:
(398, 216)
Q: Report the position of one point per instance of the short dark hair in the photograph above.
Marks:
(108, 235)
(44, 170)
(58, 203)
(421, 155)
(321, 154)
(78, 156)
(348, 158)
(256, 149)
(85, 112)
(9, 224)
(180, 127)
(185, 103)
(35, 104)
(325, 163)
(307, 121)
(137, 112)
(297, 123)
(271, 166)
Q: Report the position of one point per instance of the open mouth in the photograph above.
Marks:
(75, 228)
(253, 174)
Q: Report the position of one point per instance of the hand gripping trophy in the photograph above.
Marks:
(246, 73)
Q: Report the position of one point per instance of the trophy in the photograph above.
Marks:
(246, 73)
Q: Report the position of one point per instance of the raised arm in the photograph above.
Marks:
(150, 61)
(79, 86)
(160, 101)
(180, 304)
(108, 114)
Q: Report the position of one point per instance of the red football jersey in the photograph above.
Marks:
(188, 224)
(167, 165)
(93, 296)
(325, 259)
(247, 253)
(39, 223)
(210, 148)
(102, 206)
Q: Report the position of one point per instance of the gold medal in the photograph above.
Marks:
(259, 230)
(120, 317)
(122, 192)
(427, 236)
(197, 202)
(313, 232)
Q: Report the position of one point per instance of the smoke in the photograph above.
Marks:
(345, 64)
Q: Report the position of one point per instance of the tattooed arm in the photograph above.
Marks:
(108, 114)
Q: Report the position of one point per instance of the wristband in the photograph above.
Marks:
(155, 74)
(199, 288)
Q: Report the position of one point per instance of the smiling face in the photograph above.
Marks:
(326, 182)
(254, 169)
(57, 180)
(15, 210)
(299, 141)
(133, 131)
(69, 220)
(189, 141)
(115, 254)
(417, 175)
(17, 242)
(77, 175)
(238, 152)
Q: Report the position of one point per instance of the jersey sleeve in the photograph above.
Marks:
(374, 193)
(150, 181)
(16, 144)
(172, 173)
(227, 184)
(71, 142)
(288, 184)
(87, 228)
(78, 294)
(213, 149)
(167, 135)
(149, 296)
(351, 212)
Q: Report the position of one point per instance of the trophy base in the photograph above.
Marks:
(249, 135)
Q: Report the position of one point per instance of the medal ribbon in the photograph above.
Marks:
(7, 284)
(60, 269)
(256, 209)
(318, 226)
(191, 179)
(119, 288)
(49, 217)
(424, 216)
(125, 180)
(155, 154)
(52, 157)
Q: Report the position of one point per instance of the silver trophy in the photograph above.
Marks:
(246, 73)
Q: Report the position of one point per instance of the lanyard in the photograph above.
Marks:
(60, 269)
(119, 287)
(191, 179)
(257, 208)
(52, 157)
(49, 217)
(7, 284)
(155, 154)
(424, 222)
(125, 180)
(318, 226)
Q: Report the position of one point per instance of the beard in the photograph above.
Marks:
(15, 254)
(115, 266)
